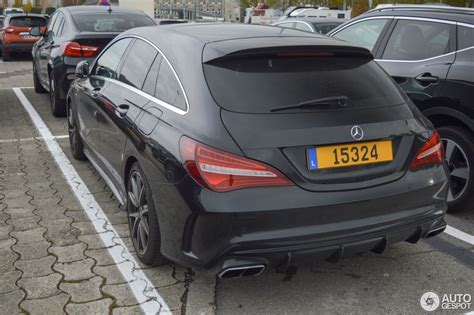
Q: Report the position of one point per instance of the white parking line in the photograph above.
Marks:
(20, 87)
(463, 236)
(31, 139)
(140, 285)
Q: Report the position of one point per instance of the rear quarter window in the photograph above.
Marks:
(256, 85)
(465, 37)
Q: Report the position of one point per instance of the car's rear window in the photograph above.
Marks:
(114, 22)
(258, 84)
(28, 21)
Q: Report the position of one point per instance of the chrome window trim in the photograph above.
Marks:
(425, 19)
(428, 59)
(391, 17)
(466, 25)
(146, 95)
(162, 103)
(419, 60)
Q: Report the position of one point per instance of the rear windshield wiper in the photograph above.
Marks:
(331, 101)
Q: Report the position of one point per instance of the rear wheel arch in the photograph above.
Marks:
(127, 167)
(441, 116)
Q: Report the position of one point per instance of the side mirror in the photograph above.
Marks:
(82, 69)
(35, 31)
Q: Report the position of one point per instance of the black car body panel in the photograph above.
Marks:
(259, 225)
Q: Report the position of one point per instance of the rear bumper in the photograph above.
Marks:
(266, 226)
(282, 252)
(19, 47)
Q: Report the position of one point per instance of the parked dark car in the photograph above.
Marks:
(15, 33)
(238, 147)
(75, 34)
(311, 24)
(429, 52)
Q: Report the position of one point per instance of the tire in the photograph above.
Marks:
(142, 214)
(36, 82)
(58, 105)
(459, 145)
(75, 140)
(5, 55)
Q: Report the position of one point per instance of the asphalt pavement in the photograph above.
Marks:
(55, 258)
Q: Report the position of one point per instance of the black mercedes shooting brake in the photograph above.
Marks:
(236, 148)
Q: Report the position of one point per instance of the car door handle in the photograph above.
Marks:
(121, 110)
(427, 78)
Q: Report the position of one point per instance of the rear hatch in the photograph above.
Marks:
(19, 27)
(328, 118)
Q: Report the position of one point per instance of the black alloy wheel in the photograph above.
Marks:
(459, 147)
(142, 219)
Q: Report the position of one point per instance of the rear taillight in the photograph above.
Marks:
(222, 171)
(431, 153)
(74, 49)
(9, 30)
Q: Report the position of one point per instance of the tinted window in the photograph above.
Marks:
(58, 24)
(303, 27)
(52, 20)
(27, 21)
(106, 66)
(324, 28)
(168, 89)
(114, 22)
(62, 27)
(465, 37)
(150, 82)
(258, 84)
(364, 33)
(415, 40)
(138, 62)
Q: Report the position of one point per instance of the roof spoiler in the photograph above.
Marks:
(290, 51)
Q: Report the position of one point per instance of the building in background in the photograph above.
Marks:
(42, 3)
(222, 10)
(147, 6)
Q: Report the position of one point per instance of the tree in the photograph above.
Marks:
(27, 7)
(50, 10)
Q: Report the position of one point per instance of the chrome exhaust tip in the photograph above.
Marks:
(436, 231)
(240, 272)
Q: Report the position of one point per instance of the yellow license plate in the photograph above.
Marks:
(349, 154)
